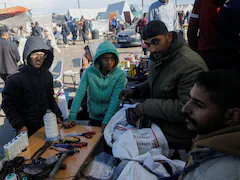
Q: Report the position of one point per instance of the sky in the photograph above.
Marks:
(62, 6)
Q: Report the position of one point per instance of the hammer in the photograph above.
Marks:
(60, 161)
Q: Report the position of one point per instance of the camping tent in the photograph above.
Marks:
(45, 20)
(121, 7)
(184, 7)
(86, 13)
(15, 16)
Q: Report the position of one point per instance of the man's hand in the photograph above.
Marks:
(59, 120)
(69, 124)
(24, 128)
(126, 94)
(139, 110)
(103, 127)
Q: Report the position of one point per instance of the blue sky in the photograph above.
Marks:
(61, 6)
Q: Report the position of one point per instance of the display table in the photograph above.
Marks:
(75, 162)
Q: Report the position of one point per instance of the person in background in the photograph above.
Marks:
(39, 29)
(119, 27)
(139, 27)
(35, 31)
(73, 29)
(85, 31)
(174, 67)
(213, 42)
(114, 24)
(213, 112)
(164, 11)
(28, 92)
(90, 51)
(47, 39)
(65, 32)
(9, 55)
(103, 82)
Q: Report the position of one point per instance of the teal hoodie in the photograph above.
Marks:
(103, 91)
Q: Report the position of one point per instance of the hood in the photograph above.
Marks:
(105, 47)
(35, 43)
(224, 141)
(93, 48)
(177, 42)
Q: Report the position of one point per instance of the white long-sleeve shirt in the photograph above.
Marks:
(166, 13)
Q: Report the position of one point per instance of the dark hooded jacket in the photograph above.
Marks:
(28, 93)
(167, 89)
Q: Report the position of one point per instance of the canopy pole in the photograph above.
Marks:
(78, 4)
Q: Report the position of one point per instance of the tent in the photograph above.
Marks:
(137, 8)
(101, 25)
(45, 20)
(121, 7)
(184, 7)
(11, 12)
(15, 16)
(86, 13)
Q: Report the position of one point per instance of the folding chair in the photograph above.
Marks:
(76, 67)
(56, 70)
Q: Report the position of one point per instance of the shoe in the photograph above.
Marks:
(66, 45)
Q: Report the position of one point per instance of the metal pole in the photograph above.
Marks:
(78, 4)
(142, 6)
(176, 2)
(5, 5)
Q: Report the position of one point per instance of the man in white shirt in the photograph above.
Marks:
(166, 12)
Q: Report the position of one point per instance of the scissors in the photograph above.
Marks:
(86, 134)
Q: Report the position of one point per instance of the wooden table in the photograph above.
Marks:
(74, 163)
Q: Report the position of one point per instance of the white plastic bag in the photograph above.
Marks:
(134, 171)
(120, 135)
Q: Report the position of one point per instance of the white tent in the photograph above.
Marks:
(45, 20)
(101, 25)
(184, 7)
(86, 13)
(121, 7)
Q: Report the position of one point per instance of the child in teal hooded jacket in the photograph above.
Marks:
(103, 82)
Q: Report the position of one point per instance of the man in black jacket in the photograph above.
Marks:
(9, 55)
(28, 93)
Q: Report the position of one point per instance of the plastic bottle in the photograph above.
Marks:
(50, 125)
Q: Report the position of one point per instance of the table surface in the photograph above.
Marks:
(75, 162)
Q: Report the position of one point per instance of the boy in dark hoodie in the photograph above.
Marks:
(28, 93)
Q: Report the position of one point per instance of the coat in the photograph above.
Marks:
(168, 86)
(9, 57)
(28, 93)
(103, 91)
(210, 159)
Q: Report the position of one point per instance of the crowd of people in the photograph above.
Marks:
(192, 91)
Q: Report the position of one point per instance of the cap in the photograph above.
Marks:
(154, 28)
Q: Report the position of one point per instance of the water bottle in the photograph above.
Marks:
(51, 127)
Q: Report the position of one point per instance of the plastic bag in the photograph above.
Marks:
(102, 167)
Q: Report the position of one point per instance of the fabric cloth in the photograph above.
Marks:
(166, 13)
(28, 93)
(103, 91)
(141, 24)
(210, 159)
(167, 89)
(9, 57)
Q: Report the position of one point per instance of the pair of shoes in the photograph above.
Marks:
(66, 45)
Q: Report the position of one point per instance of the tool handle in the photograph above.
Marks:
(58, 165)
